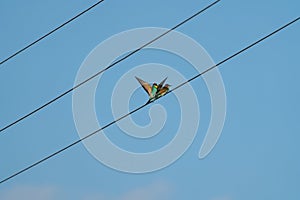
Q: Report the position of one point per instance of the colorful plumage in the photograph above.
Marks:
(155, 91)
(161, 84)
(151, 90)
(162, 91)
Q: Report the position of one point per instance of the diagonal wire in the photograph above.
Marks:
(237, 53)
(49, 33)
(103, 70)
(140, 107)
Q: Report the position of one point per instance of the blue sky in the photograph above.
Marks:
(256, 156)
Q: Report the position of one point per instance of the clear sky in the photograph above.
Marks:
(256, 156)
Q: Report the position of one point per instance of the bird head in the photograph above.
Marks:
(155, 85)
(167, 85)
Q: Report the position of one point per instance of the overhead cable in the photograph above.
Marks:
(142, 106)
(103, 70)
(49, 33)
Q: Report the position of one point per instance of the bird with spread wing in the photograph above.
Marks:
(155, 91)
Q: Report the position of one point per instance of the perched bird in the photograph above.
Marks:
(151, 90)
(155, 91)
(162, 91)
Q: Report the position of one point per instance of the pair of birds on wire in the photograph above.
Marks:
(155, 91)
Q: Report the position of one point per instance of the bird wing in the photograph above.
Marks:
(147, 87)
(161, 92)
(161, 84)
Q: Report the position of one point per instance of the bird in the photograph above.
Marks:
(155, 91)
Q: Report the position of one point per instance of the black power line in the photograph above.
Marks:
(133, 111)
(49, 33)
(238, 52)
(108, 67)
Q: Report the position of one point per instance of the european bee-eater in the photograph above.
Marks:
(156, 91)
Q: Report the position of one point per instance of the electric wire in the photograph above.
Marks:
(108, 67)
(49, 33)
(140, 107)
